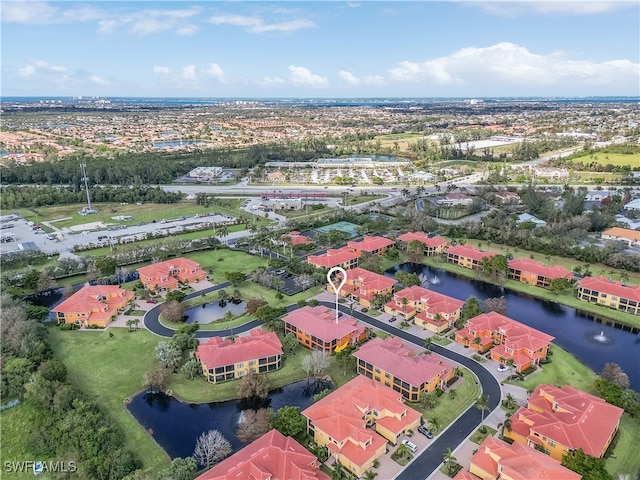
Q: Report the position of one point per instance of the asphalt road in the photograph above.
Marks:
(432, 456)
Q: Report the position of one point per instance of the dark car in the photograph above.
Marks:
(425, 431)
(392, 319)
(152, 300)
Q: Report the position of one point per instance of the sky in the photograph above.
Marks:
(322, 49)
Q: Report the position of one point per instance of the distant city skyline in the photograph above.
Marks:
(321, 49)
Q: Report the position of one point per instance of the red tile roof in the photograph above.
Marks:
(436, 302)
(626, 233)
(366, 280)
(570, 417)
(271, 457)
(604, 285)
(341, 416)
(296, 238)
(218, 352)
(87, 300)
(519, 462)
(321, 323)
(468, 251)
(402, 361)
(430, 242)
(539, 268)
(370, 244)
(518, 335)
(333, 258)
(164, 268)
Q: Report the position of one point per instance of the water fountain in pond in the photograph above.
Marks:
(601, 338)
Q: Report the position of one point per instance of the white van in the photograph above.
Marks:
(412, 446)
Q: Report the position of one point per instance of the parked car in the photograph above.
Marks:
(425, 431)
(392, 319)
(152, 300)
(410, 445)
(502, 368)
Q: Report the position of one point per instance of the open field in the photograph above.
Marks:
(140, 213)
(109, 366)
(615, 159)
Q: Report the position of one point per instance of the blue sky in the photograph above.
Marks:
(321, 49)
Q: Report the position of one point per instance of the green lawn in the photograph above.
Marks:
(478, 436)
(110, 369)
(625, 459)
(564, 369)
(616, 159)
(16, 423)
(221, 261)
(447, 410)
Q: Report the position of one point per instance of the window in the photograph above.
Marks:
(551, 443)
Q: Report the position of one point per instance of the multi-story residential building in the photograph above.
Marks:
(339, 421)
(529, 271)
(427, 308)
(223, 359)
(432, 245)
(296, 238)
(631, 237)
(373, 245)
(560, 420)
(168, 275)
(468, 256)
(396, 365)
(342, 257)
(602, 291)
(509, 340)
(93, 305)
(362, 285)
(317, 328)
(495, 460)
(271, 457)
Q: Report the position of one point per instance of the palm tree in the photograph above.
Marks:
(435, 424)
(405, 302)
(506, 425)
(509, 401)
(370, 475)
(223, 230)
(477, 341)
(449, 460)
(427, 343)
(482, 404)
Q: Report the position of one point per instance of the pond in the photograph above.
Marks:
(176, 425)
(592, 343)
(209, 312)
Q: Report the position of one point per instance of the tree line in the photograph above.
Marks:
(24, 196)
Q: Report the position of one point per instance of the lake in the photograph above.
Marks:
(573, 329)
(176, 425)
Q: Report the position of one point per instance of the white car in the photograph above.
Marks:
(410, 445)
(503, 368)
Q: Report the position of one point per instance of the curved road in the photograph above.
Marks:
(431, 457)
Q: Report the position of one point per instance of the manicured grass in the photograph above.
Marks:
(616, 159)
(443, 341)
(402, 456)
(447, 410)
(625, 459)
(17, 423)
(110, 369)
(225, 260)
(478, 436)
(564, 369)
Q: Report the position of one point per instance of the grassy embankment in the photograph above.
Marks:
(615, 159)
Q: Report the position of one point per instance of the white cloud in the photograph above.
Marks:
(302, 77)
(258, 25)
(271, 82)
(59, 76)
(514, 66)
(29, 13)
(349, 78)
(190, 76)
(551, 7)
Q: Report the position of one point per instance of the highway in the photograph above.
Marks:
(431, 457)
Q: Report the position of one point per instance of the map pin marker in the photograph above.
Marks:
(337, 289)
